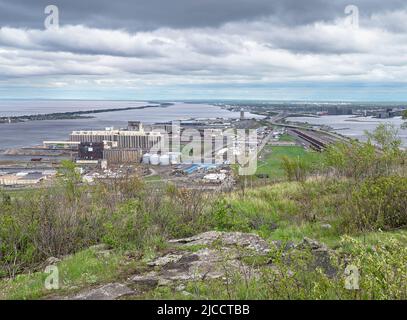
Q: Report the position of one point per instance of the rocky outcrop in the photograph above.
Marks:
(52, 261)
(227, 239)
(322, 256)
(216, 253)
(109, 291)
(210, 255)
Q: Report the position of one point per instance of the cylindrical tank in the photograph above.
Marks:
(155, 159)
(165, 160)
(146, 158)
(175, 158)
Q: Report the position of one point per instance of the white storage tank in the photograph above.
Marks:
(175, 157)
(165, 160)
(155, 159)
(146, 158)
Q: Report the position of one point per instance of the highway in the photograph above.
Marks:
(314, 138)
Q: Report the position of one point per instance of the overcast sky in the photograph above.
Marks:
(184, 49)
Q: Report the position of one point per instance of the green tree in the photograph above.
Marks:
(353, 160)
(70, 179)
(380, 155)
(386, 136)
(295, 169)
(404, 125)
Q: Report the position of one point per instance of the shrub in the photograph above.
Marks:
(380, 274)
(382, 268)
(295, 169)
(45, 223)
(226, 218)
(379, 203)
(351, 160)
(380, 156)
(187, 210)
(132, 227)
(57, 221)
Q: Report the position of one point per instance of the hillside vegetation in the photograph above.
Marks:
(352, 198)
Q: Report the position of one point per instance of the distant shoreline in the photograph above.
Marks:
(72, 115)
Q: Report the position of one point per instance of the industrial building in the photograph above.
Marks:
(128, 139)
(151, 143)
(199, 125)
(24, 178)
(115, 146)
(119, 156)
(73, 145)
(90, 150)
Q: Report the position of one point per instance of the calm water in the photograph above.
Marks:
(32, 107)
(354, 127)
(24, 134)
(32, 133)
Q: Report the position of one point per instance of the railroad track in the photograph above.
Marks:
(314, 143)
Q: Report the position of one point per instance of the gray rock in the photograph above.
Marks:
(321, 254)
(308, 243)
(223, 254)
(162, 261)
(52, 261)
(244, 240)
(180, 287)
(326, 226)
(99, 247)
(103, 253)
(149, 280)
(289, 245)
(111, 291)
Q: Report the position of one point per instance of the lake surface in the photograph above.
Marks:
(354, 127)
(32, 107)
(32, 133)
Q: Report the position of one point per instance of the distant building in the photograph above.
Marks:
(61, 144)
(340, 110)
(135, 126)
(23, 178)
(90, 150)
(117, 156)
(383, 115)
(120, 138)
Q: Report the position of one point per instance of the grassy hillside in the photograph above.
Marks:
(356, 205)
(272, 157)
(286, 212)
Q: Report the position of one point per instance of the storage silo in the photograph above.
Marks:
(175, 157)
(155, 159)
(165, 160)
(146, 158)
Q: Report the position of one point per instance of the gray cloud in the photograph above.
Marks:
(152, 14)
(126, 43)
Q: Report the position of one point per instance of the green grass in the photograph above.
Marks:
(286, 138)
(290, 211)
(81, 270)
(271, 159)
(154, 178)
(21, 192)
(275, 212)
(373, 238)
